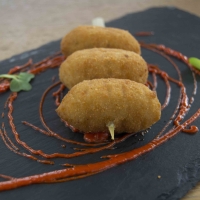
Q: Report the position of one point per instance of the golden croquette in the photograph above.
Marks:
(92, 105)
(102, 63)
(85, 37)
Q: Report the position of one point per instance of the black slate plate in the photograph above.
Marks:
(177, 161)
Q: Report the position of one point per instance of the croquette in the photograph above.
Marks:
(91, 105)
(85, 37)
(97, 63)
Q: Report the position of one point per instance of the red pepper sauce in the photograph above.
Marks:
(79, 171)
(96, 137)
(143, 33)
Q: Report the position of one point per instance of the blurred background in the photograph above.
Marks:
(28, 24)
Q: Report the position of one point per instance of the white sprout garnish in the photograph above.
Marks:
(111, 128)
(98, 21)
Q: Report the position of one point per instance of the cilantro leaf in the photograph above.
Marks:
(19, 81)
(25, 76)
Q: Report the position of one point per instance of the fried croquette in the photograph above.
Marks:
(90, 106)
(97, 63)
(86, 37)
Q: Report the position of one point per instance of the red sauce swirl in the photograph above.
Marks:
(79, 171)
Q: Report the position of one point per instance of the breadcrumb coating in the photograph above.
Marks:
(85, 37)
(92, 104)
(97, 63)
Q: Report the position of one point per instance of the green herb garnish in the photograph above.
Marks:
(195, 62)
(19, 81)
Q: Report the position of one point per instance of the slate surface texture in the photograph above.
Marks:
(177, 161)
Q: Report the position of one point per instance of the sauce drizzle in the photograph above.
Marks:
(72, 171)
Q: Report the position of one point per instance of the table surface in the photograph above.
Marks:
(25, 24)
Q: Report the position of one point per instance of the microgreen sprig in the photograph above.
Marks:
(111, 128)
(195, 62)
(19, 81)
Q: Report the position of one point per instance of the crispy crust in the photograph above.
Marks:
(84, 37)
(90, 105)
(102, 63)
